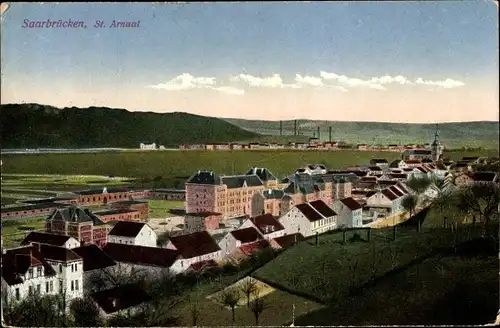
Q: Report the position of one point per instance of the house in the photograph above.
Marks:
(375, 170)
(24, 211)
(268, 179)
(309, 219)
(132, 233)
(193, 248)
(286, 241)
(267, 225)
(78, 223)
(168, 194)
(102, 196)
(432, 192)
(150, 260)
(119, 215)
(229, 195)
(416, 154)
(118, 300)
(201, 221)
(273, 201)
(43, 269)
(384, 202)
(142, 207)
(349, 211)
(238, 238)
(315, 169)
(147, 146)
(50, 239)
(96, 266)
(380, 162)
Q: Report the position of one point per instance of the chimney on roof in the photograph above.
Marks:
(104, 190)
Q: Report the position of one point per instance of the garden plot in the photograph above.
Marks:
(260, 290)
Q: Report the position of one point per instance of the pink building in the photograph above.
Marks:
(202, 221)
(229, 195)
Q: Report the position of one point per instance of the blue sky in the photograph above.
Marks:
(433, 40)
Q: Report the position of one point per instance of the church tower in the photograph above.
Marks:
(436, 147)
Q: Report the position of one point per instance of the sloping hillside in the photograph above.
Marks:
(453, 135)
(33, 125)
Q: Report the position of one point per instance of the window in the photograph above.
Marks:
(76, 267)
(60, 268)
(39, 271)
(51, 286)
(30, 290)
(60, 285)
(72, 285)
(30, 272)
(46, 286)
(38, 288)
(76, 284)
(18, 296)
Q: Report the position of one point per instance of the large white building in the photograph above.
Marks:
(132, 233)
(42, 269)
(350, 212)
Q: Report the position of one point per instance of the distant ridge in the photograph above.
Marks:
(459, 134)
(43, 126)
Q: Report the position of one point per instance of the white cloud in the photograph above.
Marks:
(230, 90)
(325, 80)
(185, 82)
(273, 81)
(448, 83)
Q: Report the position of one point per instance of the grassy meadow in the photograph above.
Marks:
(173, 167)
(161, 208)
(14, 231)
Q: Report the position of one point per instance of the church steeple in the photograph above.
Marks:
(436, 147)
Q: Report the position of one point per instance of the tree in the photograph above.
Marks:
(443, 203)
(257, 307)
(85, 313)
(163, 238)
(479, 199)
(230, 298)
(35, 311)
(409, 203)
(419, 185)
(248, 287)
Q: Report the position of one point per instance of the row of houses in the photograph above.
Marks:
(313, 144)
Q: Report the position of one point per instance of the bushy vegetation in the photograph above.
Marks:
(34, 125)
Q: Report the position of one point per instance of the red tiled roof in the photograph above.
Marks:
(323, 208)
(351, 203)
(403, 188)
(195, 244)
(263, 221)
(309, 212)
(246, 235)
(16, 262)
(152, 256)
(93, 257)
(45, 238)
(413, 161)
(250, 248)
(127, 228)
(396, 191)
(289, 240)
(389, 194)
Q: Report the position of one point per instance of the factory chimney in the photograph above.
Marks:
(317, 134)
(330, 134)
(281, 128)
(295, 127)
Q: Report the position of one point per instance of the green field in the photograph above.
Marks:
(331, 270)
(14, 231)
(173, 167)
(161, 208)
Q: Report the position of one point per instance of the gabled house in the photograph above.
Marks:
(477, 177)
(151, 260)
(286, 241)
(432, 192)
(273, 201)
(78, 223)
(97, 266)
(238, 238)
(309, 219)
(202, 221)
(132, 233)
(269, 179)
(384, 202)
(267, 225)
(194, 248)
(380, 162)
(50, 239)
(350, 212)
(42, 269)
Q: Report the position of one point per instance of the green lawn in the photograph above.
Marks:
(175, 166)
(14, 231)
(160, 208)
(332, 270)
(455, 289)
